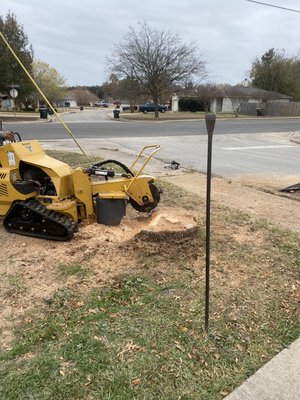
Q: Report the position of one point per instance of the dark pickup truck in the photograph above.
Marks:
(150, 107)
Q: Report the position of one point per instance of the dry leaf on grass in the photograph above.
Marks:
(136, 381)
(129, 349)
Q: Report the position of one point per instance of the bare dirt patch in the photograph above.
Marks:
(33, 269)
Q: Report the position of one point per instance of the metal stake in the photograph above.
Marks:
(210, 120)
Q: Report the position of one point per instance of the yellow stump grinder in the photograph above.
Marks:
(45, 198)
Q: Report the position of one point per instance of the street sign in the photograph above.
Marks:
(14, 93)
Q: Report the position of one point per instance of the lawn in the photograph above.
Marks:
(174, 115)
(142, 336)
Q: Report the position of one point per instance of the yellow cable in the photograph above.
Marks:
(43, 95)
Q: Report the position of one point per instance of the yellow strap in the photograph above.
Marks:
(43, 95)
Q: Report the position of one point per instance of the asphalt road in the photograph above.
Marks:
(240, 146)
(96, 124)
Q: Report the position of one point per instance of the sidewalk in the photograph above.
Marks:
(279, 379)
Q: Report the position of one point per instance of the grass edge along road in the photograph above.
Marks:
(136, 116)
(141, 337)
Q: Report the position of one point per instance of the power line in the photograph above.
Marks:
(274, 6)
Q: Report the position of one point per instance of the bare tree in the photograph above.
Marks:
(111, 87)
(236, 103)
(130, 90)
(156, 59)
(206, 93)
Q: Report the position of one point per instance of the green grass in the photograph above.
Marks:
(12, 284)
(140, 339)
(79, 160)
(66, 270)
(173, 116)
(142, 336)
(72, 159)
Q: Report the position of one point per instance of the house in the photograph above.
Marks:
(244, 100)
(68, 101)
(239, 99)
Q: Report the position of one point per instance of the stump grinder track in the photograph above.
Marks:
(30, 218)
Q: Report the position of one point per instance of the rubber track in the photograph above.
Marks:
(45, 224)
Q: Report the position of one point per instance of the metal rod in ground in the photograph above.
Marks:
(210, 120)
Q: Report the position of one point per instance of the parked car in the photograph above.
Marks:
(150, 107)
(101, 104)
(117, 102)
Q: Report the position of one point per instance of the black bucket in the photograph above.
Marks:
(110, 211)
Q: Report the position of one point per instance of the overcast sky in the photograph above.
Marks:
(76, 36)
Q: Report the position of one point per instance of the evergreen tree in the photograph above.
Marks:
(10, 70)
(277, 72)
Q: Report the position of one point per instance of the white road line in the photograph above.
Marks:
(258, 147)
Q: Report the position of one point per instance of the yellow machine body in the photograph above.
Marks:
(27, 172)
